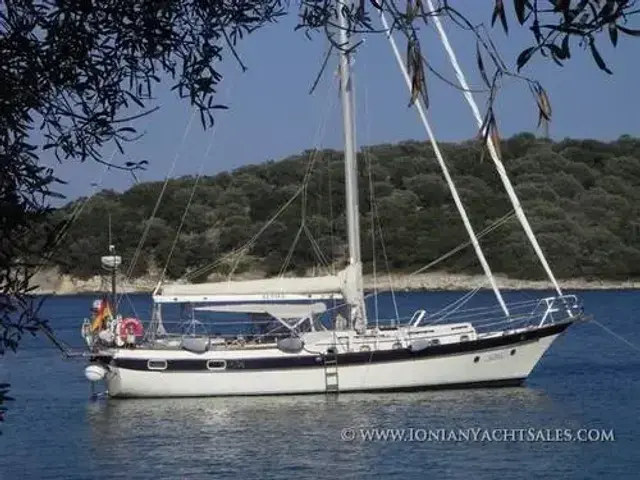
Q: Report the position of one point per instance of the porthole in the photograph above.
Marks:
(476, 360)
(157, 364)
(464, 338)
(513, 352)
(435, 342)
(216, 364)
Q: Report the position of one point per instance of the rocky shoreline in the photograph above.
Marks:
(52, 283)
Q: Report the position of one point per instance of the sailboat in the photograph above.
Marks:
(312, 335)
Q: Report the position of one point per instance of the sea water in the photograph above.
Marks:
(576, 418)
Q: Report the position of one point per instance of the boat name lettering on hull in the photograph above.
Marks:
(235, 364)
(272, 296)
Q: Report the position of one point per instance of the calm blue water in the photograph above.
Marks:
(588, 379)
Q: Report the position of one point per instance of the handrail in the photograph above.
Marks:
(550, 306)
(420, 314)
(483, 319)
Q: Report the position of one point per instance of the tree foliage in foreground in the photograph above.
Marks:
(582, 198)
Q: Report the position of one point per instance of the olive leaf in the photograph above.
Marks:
(613, 33)
(543, 103)
(415, 68)
(598, 58)
(483, 72)
(498, 11)
(629, 31)
(489, 132)
(524, 57)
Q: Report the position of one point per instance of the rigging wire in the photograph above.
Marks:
(320, 132)
(71, 220)
(493, 150)
(332, 232)
(367, 157)
(445, 170)
(498, 223)
(455, 306)
(77, 211)
(193, 190)
(128, 276)
(239, 252)
(317, 249)
(287, 259)
(373, 237)
(615, 335)
(386, 261)
(375, 220)
(145, 233)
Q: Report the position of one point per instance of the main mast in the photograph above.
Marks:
(354, 291)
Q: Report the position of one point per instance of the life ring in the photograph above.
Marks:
(131, 325)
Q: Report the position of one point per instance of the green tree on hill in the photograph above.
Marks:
(586, 217)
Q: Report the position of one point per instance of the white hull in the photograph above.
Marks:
(504, 365)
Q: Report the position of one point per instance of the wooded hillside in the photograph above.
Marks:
(582, 198)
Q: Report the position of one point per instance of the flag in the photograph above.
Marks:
(104, 313)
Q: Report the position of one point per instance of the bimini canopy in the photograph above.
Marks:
(268, 289)
(280, 310)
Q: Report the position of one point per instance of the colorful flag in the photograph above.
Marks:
(103, 313)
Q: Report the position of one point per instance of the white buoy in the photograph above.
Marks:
(95, 373)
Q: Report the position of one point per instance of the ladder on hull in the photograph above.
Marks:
(332, 385)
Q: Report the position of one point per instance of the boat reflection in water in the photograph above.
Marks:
(169, 438)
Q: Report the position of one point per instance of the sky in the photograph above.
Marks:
(272, 115)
